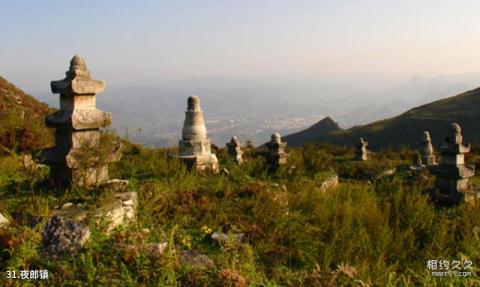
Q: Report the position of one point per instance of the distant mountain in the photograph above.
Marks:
(22, 125)
(324, 126)
(407, 128)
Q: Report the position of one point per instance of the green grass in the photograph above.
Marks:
(378, 231)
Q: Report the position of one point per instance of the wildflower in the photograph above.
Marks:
(206, 230)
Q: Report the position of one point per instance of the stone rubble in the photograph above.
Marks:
(329, 183)
(195, 260)
(63, 236)
(3, 221)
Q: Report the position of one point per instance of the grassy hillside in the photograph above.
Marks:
(372, 229)
(369, 231)
(22, 120)
(407, 128)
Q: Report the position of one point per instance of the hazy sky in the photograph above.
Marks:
(129, 40)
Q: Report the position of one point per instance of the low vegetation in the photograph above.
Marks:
(373, 229)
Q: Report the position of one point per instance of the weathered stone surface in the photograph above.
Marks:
(235, 150)
(330, 182)
(276, 155)
(157, 249)
(120, 211)
(194, 147)
(361, 152)
(63, 236)
(78, 124)
(452, 174)
(223, 237)
(195, 259)
(3, 221)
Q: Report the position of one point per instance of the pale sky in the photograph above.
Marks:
(129, 40)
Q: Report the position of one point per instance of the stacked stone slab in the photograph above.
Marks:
(452, 182)
(195, 146)
(361, 152)
(276, 155)
(235, 150)
(426, 150)
(77, 125)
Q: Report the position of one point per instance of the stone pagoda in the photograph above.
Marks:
(77, 125)
(426, 150)
(194, 146)
(235, 150)
(361, 152)
(452, 182)
(276, 155)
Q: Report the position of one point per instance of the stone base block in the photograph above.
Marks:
(454, 198)
(194, 147)
(202, 163)
(428, 160)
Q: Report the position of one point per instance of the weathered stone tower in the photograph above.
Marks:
(426, 150)
(276, 155)
(235, 149)
(77, 125)
(361, 152)
(452, 182)
(195, 146)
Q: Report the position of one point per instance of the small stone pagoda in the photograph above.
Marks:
(426, 150)
(195, 146)
(361, 152)
(452, 182)
(235, 150)
(276, 155)
(77, 125)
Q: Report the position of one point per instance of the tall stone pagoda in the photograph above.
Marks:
(77, 125)
(426, 150)
(361, 152)
(195, 146)
(452, 182)
(276, 155)
(235, 150)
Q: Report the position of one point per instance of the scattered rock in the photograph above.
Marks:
(3, 220)
(120, 211)
(225, 171)
(222, 237)
(195, 259)
(229, 277)
(66, 205)
(116, 185)
(330, 182)
(156, 249)
(63, 236)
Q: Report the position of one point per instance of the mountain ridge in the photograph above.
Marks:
(407, 128)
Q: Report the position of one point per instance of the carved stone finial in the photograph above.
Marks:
(194, 103)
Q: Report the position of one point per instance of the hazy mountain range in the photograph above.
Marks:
(152, 111)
